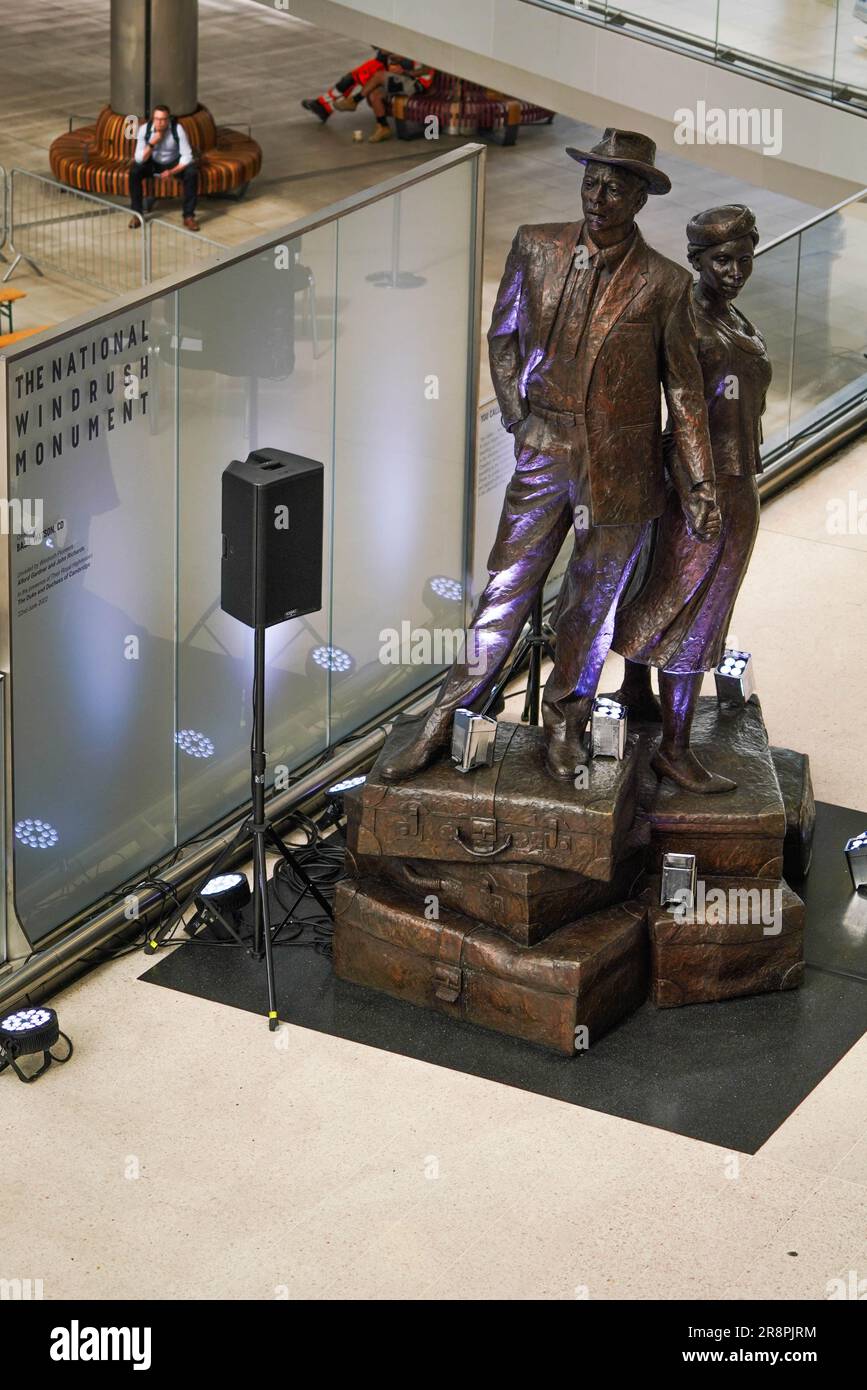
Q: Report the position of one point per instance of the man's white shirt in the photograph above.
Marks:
(168, 152)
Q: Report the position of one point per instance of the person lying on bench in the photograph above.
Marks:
(163, 151)
(346, 92)
(400, 77)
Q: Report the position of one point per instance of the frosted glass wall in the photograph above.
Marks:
(352, 342)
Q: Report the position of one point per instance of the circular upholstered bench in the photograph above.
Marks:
(464, 108)
(96, 158)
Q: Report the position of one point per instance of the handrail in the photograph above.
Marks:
(76, 116)
(813, 221)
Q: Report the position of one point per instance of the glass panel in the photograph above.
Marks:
(257, 363)
(404, 281)
(799, 37)
(697, 18)
(850, 58)
(92, 612)
(812, 44)
(769, 302)
(830, 341)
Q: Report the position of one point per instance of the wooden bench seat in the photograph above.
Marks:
(9, 339)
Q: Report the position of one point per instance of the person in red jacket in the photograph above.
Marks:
(346, 92)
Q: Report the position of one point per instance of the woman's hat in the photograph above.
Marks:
(717, 225)
(627, 149)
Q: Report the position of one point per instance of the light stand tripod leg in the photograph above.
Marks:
(530, 651)
(534, 672)
(210, 872)
(291, 860)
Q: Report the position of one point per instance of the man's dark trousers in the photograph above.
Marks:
(149, 169)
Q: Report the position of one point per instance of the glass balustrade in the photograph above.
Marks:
(353, 340)
(813, 46)
(808, 295)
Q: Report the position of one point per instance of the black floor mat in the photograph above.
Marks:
(727, 1073)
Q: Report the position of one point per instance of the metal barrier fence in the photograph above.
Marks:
(74, 233)
(4, 211)
(90, 239)
(172, 250)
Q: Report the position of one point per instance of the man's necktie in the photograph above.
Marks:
(577, 310)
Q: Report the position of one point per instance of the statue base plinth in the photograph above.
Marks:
(508, 899)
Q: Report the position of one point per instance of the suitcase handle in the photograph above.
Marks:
(417, 880)
(481, 853)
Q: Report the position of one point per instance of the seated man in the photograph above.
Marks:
(400, 77)
(162, 149)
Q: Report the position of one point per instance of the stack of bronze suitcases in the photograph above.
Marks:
(532, 906)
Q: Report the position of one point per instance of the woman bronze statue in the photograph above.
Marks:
(679, 620)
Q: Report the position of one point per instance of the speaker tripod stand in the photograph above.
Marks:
(259, 829)
(529, 652)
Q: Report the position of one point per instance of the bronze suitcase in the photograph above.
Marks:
(526, 902)
(739, 834)
(747, 938)
(563, 993)
(796, 785)
(512, 812)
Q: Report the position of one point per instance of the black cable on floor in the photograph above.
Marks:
(323, 862)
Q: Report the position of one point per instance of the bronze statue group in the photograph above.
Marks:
(589, 323)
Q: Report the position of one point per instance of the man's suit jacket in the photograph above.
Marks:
(641, 333)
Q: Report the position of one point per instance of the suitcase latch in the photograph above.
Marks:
(484, 832)
(449, 981)
(552, 835)
(489, 887)
(407, 824)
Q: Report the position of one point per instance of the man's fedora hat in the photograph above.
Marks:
(627, 150)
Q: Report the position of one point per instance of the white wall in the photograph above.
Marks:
(605, 78)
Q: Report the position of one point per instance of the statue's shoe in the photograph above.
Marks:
(564, 754)
(644, 706)
(564, 723)
(687, 772)
(412, 755)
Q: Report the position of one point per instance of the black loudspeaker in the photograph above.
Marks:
(272, 537)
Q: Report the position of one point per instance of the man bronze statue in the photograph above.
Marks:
(589, 322)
